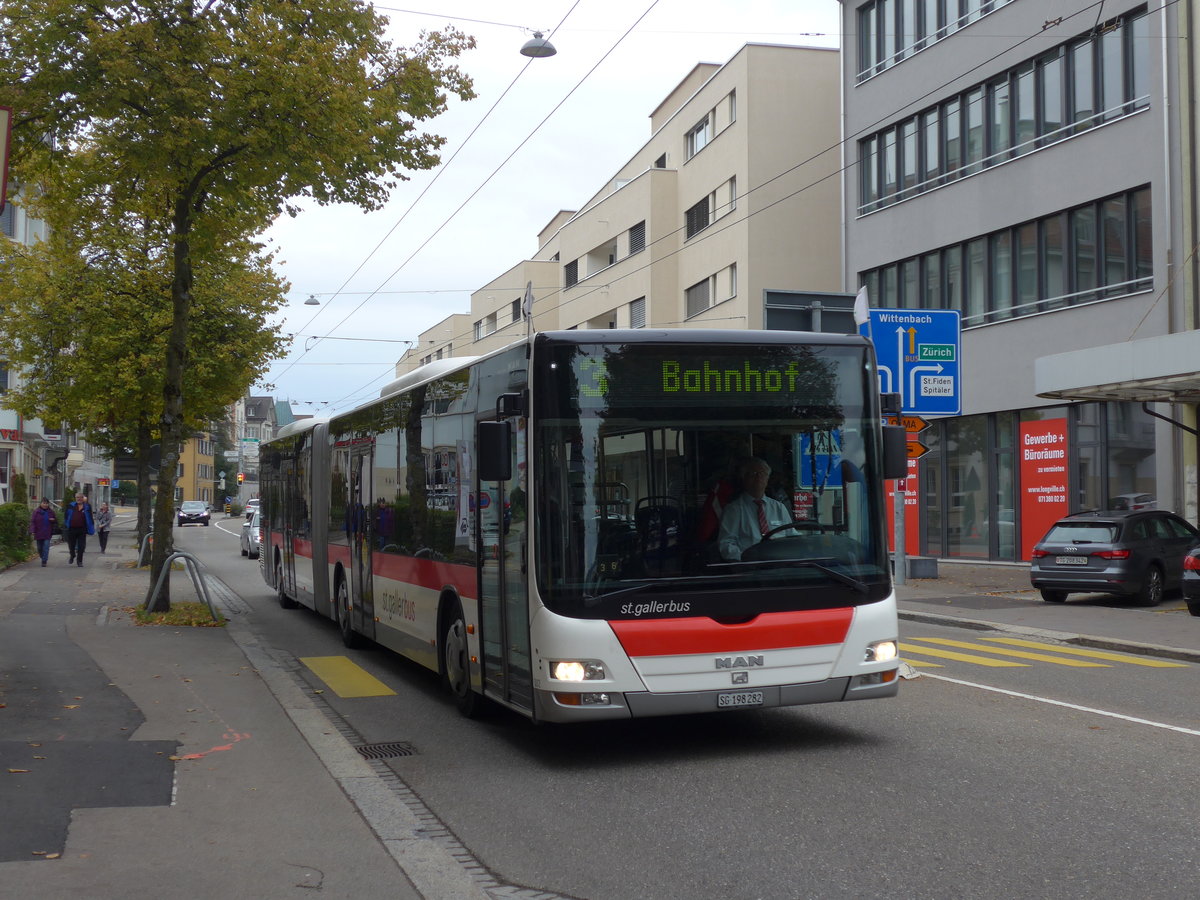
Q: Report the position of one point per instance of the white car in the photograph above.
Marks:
(250, 537)
(252, 507)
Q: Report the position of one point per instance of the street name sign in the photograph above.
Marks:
(919, 352)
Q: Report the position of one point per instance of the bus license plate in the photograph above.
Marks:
(740, 698)
(1071, 560)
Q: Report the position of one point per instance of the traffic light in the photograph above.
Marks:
(241, 477)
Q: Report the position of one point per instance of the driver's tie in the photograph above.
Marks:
(763, 527)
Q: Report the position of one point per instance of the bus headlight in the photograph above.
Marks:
(577, 670)
(881, 651)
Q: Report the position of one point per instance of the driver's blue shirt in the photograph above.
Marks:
(740, 527)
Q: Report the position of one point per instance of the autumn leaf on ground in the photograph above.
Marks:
(18, 771)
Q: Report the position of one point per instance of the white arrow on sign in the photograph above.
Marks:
(912, 379)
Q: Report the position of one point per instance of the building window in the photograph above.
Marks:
(661, 162)
(1075, 87)
(8, 223)
(697, 139)
(571, 273)
(711, 291)
(637, 313)
(515, 310)
(696, 219)
(637, 238)
(1088, 253)
(3, 378)
(891, 30)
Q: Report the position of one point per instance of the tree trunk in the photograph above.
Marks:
(144, 445)
(171, 429)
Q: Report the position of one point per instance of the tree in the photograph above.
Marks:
(87, 320)
(212, 112)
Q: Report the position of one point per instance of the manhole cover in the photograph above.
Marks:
(386, 750)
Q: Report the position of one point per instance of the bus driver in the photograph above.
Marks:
(750, 515)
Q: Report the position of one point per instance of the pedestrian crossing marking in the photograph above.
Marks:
(961, 657)
(345, 678)
(920, 664)
(1094, 654)
(1021, 654)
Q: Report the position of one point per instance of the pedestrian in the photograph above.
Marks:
(41, 525)
(79, 526)
(103, 522)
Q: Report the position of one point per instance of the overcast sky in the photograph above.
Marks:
(384, 277)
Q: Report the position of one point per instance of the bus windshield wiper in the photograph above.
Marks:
(822, 565)
(678, 581)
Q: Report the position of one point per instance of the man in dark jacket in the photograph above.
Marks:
(79, 526)
(41, 526)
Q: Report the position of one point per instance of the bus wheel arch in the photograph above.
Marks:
(454, 655)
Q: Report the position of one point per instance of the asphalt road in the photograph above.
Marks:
(1029, 780)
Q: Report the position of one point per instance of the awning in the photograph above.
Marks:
(1158, 369)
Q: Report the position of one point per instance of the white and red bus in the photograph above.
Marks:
(540, 524)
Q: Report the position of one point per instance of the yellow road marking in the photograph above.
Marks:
(346, 679)
(1094, 654)
(961, 657)
(1022, 654)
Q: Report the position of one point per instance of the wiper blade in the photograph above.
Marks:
(670, 582)
(822, 565)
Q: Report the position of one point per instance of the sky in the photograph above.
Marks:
(541, 136)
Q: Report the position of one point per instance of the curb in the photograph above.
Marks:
(1064, 637)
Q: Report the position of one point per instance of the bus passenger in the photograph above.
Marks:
(750, 515)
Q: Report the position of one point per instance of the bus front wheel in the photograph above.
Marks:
(456, 663)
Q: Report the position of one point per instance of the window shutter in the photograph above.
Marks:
(571, 273)
(637, 313)
(637, 237)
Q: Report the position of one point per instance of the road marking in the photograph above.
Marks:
(962, 657)
(918, 664)
(346, 679)
(1021, 654)
(1094, 654)
(1087, 709)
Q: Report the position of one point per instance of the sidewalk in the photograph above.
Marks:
(178, 762)
(999, 596)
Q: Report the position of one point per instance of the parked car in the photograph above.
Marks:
(1134, 501)
(1191, 580)
(192, 512)
(1132, 553)
(250, 536)
(252, 507)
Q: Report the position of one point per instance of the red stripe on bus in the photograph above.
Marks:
(768, 631)
(426, 573)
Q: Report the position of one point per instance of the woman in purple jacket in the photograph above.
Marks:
(41, 526)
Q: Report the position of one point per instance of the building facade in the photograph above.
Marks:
(1025, 163)
(725, 218)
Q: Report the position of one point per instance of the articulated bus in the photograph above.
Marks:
(541, 525)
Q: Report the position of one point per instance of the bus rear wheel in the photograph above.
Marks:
(456, 663)
(350, 637)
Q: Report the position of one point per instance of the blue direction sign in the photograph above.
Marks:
(920, 358)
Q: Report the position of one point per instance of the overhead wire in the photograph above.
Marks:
(709, 233)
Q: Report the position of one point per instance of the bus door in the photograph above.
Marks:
(503, 591)
(361, 539)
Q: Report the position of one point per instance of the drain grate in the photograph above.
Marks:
(386, 750)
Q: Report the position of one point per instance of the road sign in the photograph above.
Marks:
(919, 352)
(912, 424)
(916, 449)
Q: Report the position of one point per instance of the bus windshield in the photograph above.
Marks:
(707, 479)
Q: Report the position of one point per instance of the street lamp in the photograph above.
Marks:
(312, 300)
(537, 47)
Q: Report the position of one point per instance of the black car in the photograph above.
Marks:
(192, 512)
(1132, 553)
(1191, 580)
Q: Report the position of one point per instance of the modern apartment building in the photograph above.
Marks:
(1025, 163)
(727, 217)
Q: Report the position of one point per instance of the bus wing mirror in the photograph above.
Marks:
(895, 451)
(495, 457)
